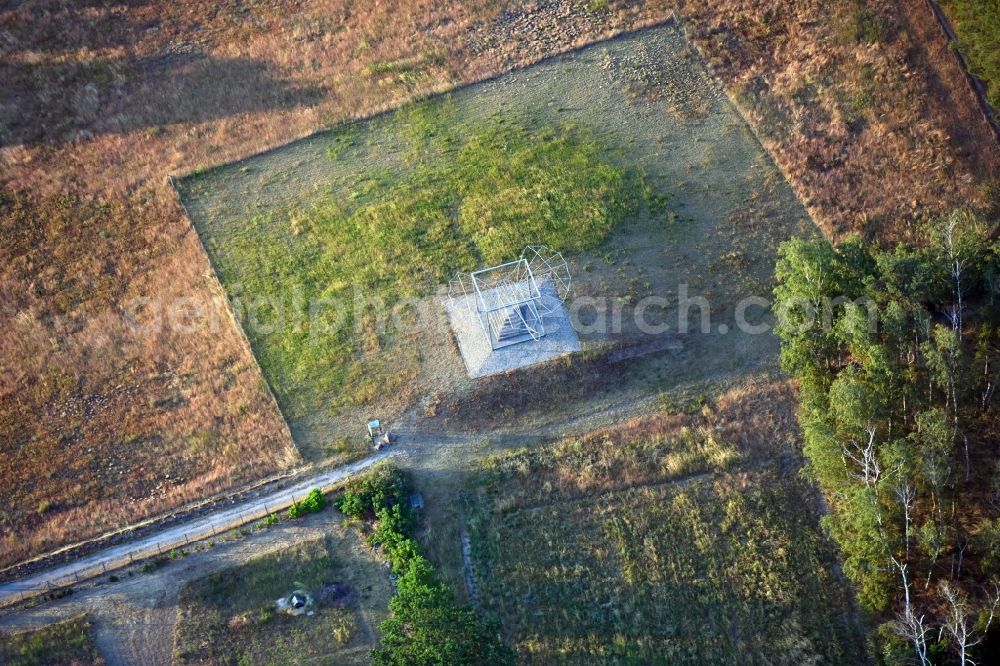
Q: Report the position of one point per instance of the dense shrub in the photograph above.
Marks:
(427, 625)
(384, 487)
(313, 503)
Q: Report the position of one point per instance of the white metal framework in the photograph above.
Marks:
(507, 299)
(549, 267)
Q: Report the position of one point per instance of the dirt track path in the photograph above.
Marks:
(155, 544)
(413, 441)
(134, 617)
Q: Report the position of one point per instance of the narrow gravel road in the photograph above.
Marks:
(411, 441)
(134, 618)
(178, 536)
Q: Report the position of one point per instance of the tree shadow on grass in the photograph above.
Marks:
(51, 103)
(65, 26)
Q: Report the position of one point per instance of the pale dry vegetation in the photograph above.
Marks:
(755, 420)
(102, 424)
(860, 102)
(660, 541)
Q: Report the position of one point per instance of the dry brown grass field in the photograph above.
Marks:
(103, 422)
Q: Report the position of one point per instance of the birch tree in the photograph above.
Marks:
(966, 627)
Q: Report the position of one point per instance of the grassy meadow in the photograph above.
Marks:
(103, 99)
(230, 616)
(977, 23)
(373, 217)
(66, 643)
(663, 543)
(312, 280)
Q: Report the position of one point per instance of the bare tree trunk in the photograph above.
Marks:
(965, 438)
(906, 493)
(961, 556)
(908, 625)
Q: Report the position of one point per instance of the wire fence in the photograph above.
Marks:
(146, 551)
(60, 579)
(988, 112)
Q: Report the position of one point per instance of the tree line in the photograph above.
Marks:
(896, 350)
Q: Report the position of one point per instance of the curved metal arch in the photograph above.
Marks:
(549, 267)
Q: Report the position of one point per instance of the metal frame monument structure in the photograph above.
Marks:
(512, 299)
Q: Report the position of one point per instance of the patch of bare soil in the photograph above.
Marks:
(134, 616)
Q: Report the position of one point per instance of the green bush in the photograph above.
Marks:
(351, 504)
(987, 543)
(384, 487)
(269, 520)
(427, 625)
(314, 502)
(391, 534)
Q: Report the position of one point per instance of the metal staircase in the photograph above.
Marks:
(515, 324)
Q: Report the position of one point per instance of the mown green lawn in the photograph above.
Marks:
(664, 548)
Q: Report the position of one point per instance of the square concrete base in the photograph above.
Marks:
(481, 361)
